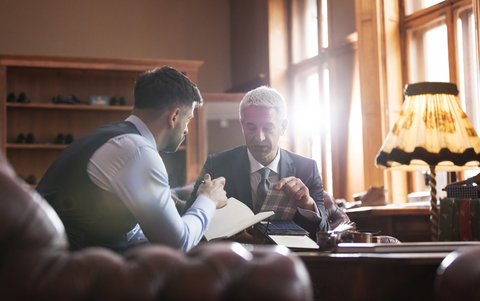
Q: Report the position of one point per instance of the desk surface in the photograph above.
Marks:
(390, 258)
(372, 276)
(389, 210)
(407, 223)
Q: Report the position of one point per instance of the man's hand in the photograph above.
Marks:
(213, 189)
(295, 188)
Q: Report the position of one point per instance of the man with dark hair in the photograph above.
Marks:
(110, 187)
(174, 88)
(261, 163)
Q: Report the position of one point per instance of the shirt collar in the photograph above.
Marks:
(256, 166)
(143, 129)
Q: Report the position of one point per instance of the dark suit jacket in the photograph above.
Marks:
(234, 165)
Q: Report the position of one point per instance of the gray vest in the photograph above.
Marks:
(91, 215)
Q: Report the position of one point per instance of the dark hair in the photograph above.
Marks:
(162, 88)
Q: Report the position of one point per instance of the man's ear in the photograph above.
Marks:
(173, 117)
(284, 126)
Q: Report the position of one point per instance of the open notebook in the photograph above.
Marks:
(232, 219)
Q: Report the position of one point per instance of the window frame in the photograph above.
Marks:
(420, 18)
(325, 59)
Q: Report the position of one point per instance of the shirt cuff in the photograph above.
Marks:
(206, 204)
(313, 216)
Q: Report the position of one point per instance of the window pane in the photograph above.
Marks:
(428, 53)
(324, 23)
(306, 89)
(310, 102)
(466, 65)
(305, 29)
(412, 6)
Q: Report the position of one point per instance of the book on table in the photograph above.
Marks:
(295, 242)
(286, 233)
(232, 219)
(236, 217)
(289, 234)
(281, 227)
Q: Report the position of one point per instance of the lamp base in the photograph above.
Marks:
(434, 212)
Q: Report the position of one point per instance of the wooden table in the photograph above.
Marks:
(408, 224)
(369, 276)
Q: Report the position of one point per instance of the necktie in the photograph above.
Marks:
(262, 188)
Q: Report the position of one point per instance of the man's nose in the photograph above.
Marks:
(260, 136)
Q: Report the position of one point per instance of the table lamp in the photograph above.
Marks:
(432, 133)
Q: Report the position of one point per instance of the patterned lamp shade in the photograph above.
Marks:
(432, 133)
(432, 130)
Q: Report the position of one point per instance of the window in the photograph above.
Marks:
(309, 83)
(441, 50)
(304, 30)
(428, 52)
(322, 100)
(307, 88)
(412, 6)
(466, 65)
(438, 50)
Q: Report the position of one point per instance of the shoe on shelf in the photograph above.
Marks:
(21, 138)
(65, 99)
(121, 101)
(30, 139)
(113, 101)
(23, 98)
(60, 139)
(11, 97)
(69, 139)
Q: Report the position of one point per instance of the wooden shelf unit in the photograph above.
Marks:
(43, 77)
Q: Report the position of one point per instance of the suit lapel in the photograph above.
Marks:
(242, 179)
(286, 165)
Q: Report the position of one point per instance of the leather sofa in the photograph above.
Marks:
(335, 215)
(35, 263)
(458, 277)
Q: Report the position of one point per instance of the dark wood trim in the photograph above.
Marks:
(135, 64)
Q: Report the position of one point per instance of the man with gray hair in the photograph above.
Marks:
(261, 160)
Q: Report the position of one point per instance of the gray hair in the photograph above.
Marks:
(264, 97)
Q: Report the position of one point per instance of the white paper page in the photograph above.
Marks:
(294, 241)
(233, 218)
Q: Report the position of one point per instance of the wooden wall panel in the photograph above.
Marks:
(476, 12)
(369, 35)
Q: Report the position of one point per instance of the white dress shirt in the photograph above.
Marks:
(130, 167)
(274, 178)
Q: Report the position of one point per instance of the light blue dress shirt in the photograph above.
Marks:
(130, 167)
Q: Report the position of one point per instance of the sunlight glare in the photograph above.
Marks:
(436, 48)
